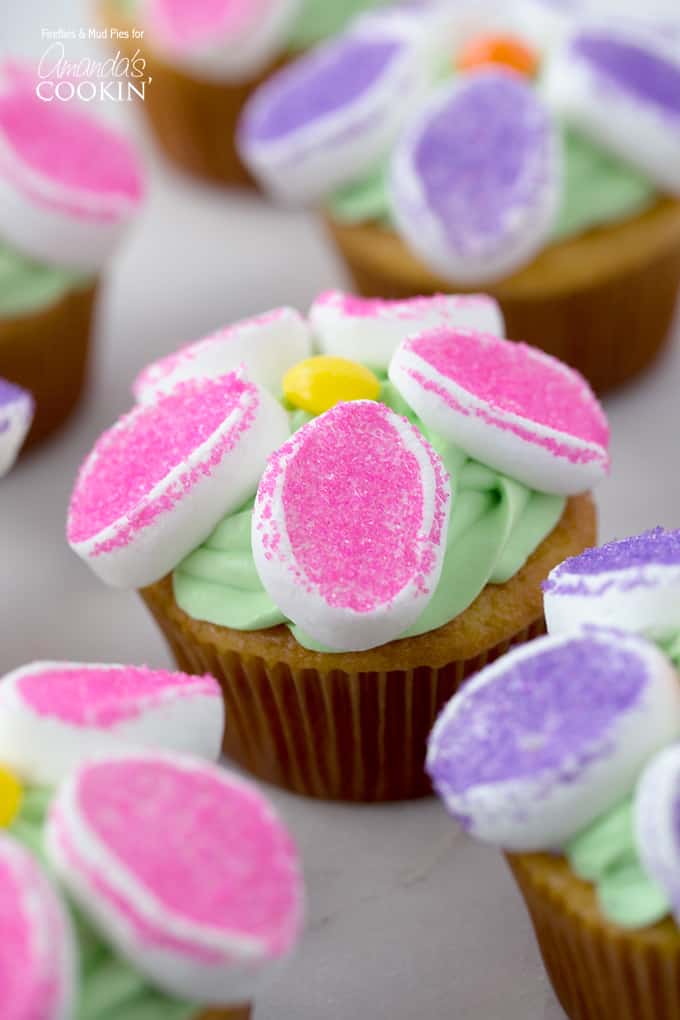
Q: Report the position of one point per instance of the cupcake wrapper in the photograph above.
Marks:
(47, 353)
(598, 971)
(330, 734)
(603, 302)
(235, 1013)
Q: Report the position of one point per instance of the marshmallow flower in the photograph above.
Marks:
(539, 744)
(350, 525)
(16, 415)
(184, 868)
(509, 405)
(370, 330)
(157, 483)
(656, 815)
(54, 714)
(69, 185)
(37, 955)
(633, 584)
(267, 346)
(623, 90)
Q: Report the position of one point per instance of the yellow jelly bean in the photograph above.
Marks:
(11, 793)
(319, 383)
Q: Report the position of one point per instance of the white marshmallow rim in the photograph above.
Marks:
(267, 346)
(374, 338)
(422, 230)
(157, 548)
(642, 599)
(517, 814)
(342, 629)
(654, 822)
(494, 442)
(235, 58)
(243, 966)
(19, 419)
(310, 162)
(635, 131)
(44, 749)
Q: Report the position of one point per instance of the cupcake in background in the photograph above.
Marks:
(204, 60)
(343, 537)
(69, 186)
(138, 879)
(543, 169)
(565, 754)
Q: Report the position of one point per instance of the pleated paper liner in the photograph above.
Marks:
(598, 970)
(603, 302)
(234, 1013)
(194, 120)
(47, 353)
(354, 726)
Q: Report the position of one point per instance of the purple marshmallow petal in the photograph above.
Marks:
(16, 415)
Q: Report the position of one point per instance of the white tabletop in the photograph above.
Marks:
(406, 918)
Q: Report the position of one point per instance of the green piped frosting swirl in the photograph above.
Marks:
(28, 286)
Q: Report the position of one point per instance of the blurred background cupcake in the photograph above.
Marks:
(206, 58)
(534, 155)
(69, 186)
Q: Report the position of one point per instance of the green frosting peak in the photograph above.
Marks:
(28, 286)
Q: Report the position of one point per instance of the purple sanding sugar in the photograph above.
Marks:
(484, 155)
(652, 547)
(552, 713)
(318, 86)
(633, 68)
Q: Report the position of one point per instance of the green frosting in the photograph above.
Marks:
(110, 988)
(496, 523)
(598, 189)
(28, 286)
(320, 19)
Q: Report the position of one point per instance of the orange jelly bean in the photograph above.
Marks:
(493, 48)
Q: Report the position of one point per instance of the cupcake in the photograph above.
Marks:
(548, 177)
(565, 754)
(137, 878)
(202, 60)
(341, 538)
(16, 415)
(69, 185)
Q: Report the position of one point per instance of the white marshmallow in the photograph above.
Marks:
(16, 415)
(655, 820)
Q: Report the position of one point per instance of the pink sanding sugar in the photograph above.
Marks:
(103, 697)
(376, 308)
(207, 848)
(186, 25)
(146, 446)
(516, 379)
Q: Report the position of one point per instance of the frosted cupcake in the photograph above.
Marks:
(137, 878)
(341, 538)
(462, 158)
(69, 186)
(203, 59)
(580, 780)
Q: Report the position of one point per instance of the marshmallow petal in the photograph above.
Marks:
(370, 330)
(267, 346)
(350, 524)
(511, 406)
(69, 185)
(622, 88)
(16, 415)
(37, 947)
(543, 741)
(184, 868)
(633, 584)
(54, 714)
(157, 483)
(333, 114)
(656, 819)
(475, 180)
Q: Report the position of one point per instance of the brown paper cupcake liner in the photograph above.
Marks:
(603, 302)
(234, 1013)
(47, 353)
(598, 970)
(354, 726)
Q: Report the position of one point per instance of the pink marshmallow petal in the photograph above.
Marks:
(53, 715)
(267, 345)
(69, 184)
(350, 524)
(511, 406)
(183, 867)
(37, 949)
(156, 484)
